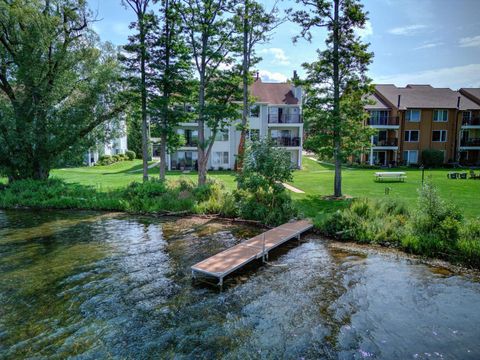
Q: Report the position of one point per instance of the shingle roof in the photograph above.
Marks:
(425, 96)
(376, 103)
(273, 93)
(472, 93)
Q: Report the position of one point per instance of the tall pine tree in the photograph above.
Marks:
(336, 84)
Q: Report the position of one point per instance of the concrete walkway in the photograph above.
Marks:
(293, 189)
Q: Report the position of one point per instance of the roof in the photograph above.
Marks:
(376, 103)
(424, 96)
(472, 93)
(273, 93)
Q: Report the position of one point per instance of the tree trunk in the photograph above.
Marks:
(336, 104)
(202, 160)
(245, 73)
(163, 156)
(144, 98)
(166, 95)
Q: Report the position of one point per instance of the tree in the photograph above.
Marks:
(254, 24)
(172, 64)
(138, 46)
(57, 85)
(336, 84)
(210, 33)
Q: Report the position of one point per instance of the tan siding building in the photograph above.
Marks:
(415, 118)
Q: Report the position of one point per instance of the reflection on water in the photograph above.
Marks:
(95, 286)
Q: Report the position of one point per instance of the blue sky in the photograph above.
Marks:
(414, 41)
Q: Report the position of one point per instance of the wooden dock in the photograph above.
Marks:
(227, 261)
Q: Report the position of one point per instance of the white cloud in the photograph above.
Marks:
(472, 41)
(279, 56)
(428, 46)
(366, 31)
(269, 76)
(452, 77)
(407, 30)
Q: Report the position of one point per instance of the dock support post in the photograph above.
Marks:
(220, 282)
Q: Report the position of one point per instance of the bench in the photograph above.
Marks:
(396, 176)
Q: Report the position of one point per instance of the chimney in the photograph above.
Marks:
(398, 102)
(295, 75)
(258, 75)
(458, 102)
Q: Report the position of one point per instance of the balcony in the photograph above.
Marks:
(470, 142)
(286, 141)
(474, 121)
(384, 121)
(388, 142)
(284, 119)
(191, 143)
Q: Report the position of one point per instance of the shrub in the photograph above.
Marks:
(367, 221)
(130, 155)
(260, 195)
(432, 158)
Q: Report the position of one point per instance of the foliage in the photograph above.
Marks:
(261, 195)
(432, 158)
(59, 87)
(164, 197)
(367, 221)
(434, 229)
(130, 154)
(336, 84)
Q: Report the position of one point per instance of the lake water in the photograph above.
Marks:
(92, 285)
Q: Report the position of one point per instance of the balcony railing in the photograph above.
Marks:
(284, 119)
(391, 120)
(474, 121)
(191, 143)
(286, 141)
(388, 142)
(470, 142)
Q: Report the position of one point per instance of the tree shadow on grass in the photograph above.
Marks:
(313, 206)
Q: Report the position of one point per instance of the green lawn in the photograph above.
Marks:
(315, 179)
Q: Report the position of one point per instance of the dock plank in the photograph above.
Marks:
(229, 260)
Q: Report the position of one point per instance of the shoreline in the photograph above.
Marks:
(335, 244)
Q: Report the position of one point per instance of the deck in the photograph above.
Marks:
(227, 261)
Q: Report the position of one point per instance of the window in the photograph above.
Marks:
(253, 134)
(439, 135)
(466, 116)
(440, 115)
(220, 158)
(410, 156)
(413, 115)
(412, 135)
(378, 117)
(222, 135)
(255, 111)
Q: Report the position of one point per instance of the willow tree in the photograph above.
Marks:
(210, 30)
(57, 85)
(336, 84)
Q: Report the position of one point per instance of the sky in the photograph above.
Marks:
(433, 42)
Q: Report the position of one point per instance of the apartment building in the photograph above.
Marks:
(114, 146)
(276, 113)
(469, 135)
(411, 119)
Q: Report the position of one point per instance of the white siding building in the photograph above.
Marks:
(276, 114)
(115, 146)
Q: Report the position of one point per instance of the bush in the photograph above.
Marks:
(367, 221)
(261, 195)
(130, 155)
(432, 158)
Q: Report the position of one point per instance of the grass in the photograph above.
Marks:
(315, 179)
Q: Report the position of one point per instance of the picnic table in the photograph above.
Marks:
(390, 175)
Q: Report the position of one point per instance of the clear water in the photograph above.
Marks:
(89, 285)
